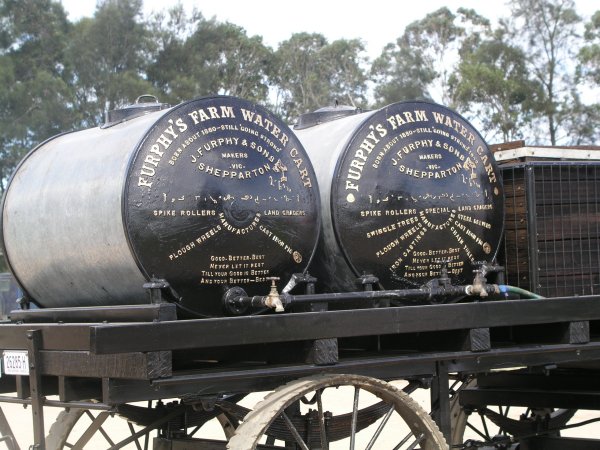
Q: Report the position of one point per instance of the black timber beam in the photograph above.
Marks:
(230, 331)
(252, 378)
(139, 366)
(556, 379)
(126, 313)
(235, 331)
(54, 336)
(570, 399)
(559, 443)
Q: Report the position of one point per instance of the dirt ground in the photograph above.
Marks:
(20, 420)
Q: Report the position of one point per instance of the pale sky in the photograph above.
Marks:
(376, 22)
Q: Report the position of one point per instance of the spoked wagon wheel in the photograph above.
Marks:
(134, 427)
(498, 427)
(338, 411)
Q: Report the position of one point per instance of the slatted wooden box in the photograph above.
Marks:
(552, 227)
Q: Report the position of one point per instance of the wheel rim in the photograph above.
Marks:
(300, 414)
(133, 427)
(501, 427)
(100, 429)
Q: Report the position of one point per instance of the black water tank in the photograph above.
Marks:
(403, 189)
(213, 192)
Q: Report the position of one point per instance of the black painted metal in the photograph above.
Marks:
(440, 400)
(433, 293)
(58, 404)
(432, 172)
(532, 230)
(34, 338)
(236, 203)
(193, 444)
(360, 299)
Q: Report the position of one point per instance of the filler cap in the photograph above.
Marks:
(137, 109)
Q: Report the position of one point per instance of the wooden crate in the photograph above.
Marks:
(552, 227)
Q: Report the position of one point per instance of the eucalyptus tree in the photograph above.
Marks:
(589, 54)
(547, 32)
(491, 85)
(586, 127)
(35, 94)
(201, 57)
(311, 73)
(109, 54)
(422, 60)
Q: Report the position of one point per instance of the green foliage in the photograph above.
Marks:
(401, 74)
(299, 74)
(108, 56)
(347, 77)
(492, 83)
(547, 32)
(419, 65)
(519, 80)
(33, 32)
(589, 55)
(583, 125)
(35, 96)
(312, 73)
(216, 58)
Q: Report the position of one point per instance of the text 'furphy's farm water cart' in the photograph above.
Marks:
(183, 259)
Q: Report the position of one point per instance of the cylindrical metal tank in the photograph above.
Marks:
(211, 193)
(404, 189)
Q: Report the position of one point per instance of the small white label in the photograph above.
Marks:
(16, 362)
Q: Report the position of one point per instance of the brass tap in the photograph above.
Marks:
(273, 300)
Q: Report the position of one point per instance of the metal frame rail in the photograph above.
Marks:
(128, 361)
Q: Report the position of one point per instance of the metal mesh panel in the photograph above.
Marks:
(552, 238)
